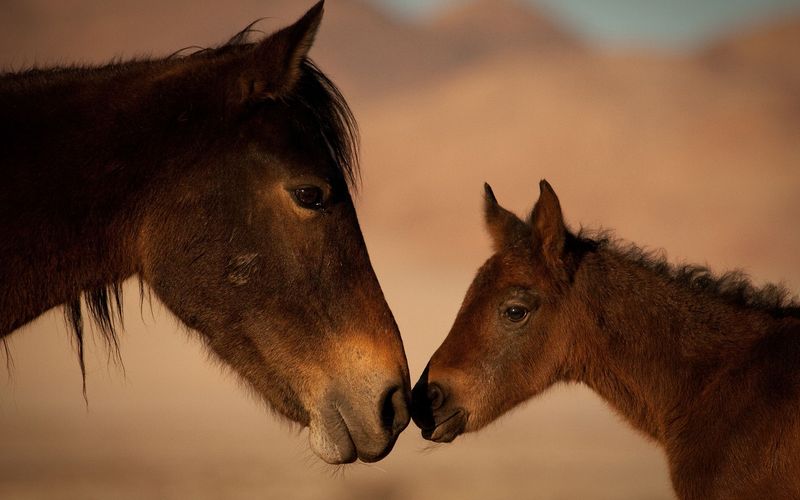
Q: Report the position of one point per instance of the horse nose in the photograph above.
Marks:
(435, 396)
(426, 398)
(394, 411)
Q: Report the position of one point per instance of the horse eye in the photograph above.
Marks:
(309, 197)
(516, 313)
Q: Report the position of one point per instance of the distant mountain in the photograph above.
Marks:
(771, 50)
(378, 54)
(369, 52)
(482, 27)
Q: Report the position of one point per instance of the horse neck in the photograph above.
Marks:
(649, 344)
(81, 155)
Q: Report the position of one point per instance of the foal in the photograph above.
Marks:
(708, 367)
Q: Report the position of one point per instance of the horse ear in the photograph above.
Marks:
(547, 223)
(504, 227)
(276, 61)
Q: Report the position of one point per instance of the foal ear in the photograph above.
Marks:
(547, 223)
(275, 64)
(504, 227)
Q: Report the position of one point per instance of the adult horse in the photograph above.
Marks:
(708, 367)
(222, 179)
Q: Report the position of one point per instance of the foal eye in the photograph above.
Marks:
(516, 313)
(309, 197)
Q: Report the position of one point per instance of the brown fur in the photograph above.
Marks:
(708, 367)
(187, 172)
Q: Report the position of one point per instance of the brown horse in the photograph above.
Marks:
(708, 367)
(222, 179)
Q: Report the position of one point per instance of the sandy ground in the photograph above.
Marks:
(669, 151)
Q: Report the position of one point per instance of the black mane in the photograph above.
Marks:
(319, 95)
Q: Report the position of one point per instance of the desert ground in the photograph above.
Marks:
(695, 152)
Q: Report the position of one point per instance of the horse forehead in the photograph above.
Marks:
(509, 267)
(290, 142)
(273, 161)
(486, 283)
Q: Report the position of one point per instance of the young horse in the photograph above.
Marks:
(708, 367)
(222, 180)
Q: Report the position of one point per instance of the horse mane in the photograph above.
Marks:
(337, 124)
(732, 287)
(319, 95)
(104, 305)
(315, 93)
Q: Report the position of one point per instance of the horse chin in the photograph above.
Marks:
(330, 440)
(448, 429)
(339, 435)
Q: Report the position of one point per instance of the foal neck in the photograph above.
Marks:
(652, 345)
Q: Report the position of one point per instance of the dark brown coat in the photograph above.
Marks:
(222, 180)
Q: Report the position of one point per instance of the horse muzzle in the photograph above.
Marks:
(353, 428)
(434, 413)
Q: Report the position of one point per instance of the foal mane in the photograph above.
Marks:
(733, 287)
(314, 92)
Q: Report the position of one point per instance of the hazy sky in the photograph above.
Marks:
(671, 23)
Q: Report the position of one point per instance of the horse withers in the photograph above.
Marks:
(707, 366)
(222, 179)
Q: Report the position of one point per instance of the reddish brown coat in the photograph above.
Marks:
(707, 366)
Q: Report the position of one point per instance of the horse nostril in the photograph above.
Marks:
(435, 396)
(394, 411)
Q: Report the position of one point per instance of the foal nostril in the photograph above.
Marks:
(435, 396)
(394, 411)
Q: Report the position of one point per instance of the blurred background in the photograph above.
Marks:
(675, 122)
